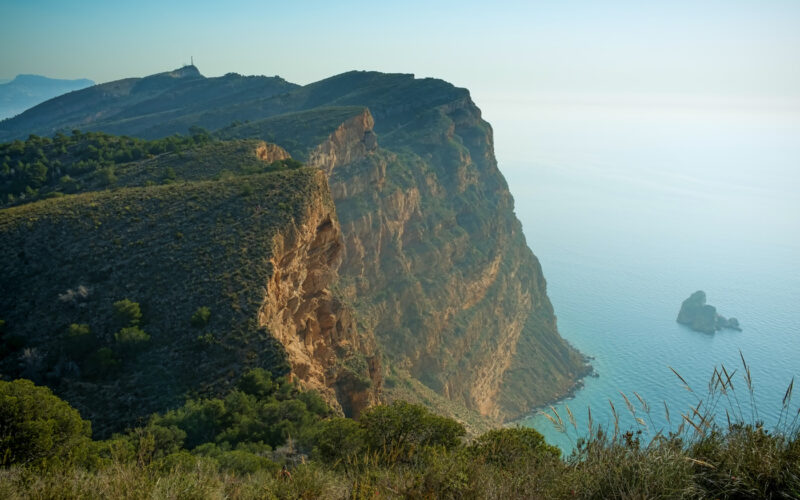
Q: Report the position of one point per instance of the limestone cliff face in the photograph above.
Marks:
(437, 262)
(317, 330)
(350, 142)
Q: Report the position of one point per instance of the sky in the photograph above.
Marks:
(723, 50)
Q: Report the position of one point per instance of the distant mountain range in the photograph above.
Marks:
(26, 91)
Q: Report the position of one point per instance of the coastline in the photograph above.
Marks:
(588, 371)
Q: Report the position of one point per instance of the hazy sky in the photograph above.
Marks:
(744, 49)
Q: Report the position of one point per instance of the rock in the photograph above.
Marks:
(731, 323)
(702, 317)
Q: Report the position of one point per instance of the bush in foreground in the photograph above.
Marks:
(38, 429)
(268, 439)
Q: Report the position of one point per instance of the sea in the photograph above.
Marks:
(631, 207)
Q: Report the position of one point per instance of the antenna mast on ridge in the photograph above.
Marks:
(192, 58)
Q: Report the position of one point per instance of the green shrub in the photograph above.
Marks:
(509, 447)
(445, 474)
(258, 448)
(132, 339)
(402, 427)
(77, 331)
(201, 420)
(272, 421)
(257, 382)
(149, 443)
(106, 176)
(200, 317)
(314, 403)
(261, 413)
(37, 428)
(338, 439)
(127, 313)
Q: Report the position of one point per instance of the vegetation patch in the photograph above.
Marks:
(109, 316)
(267, 438)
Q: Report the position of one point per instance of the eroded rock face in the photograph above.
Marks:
(317, 330)
(350, 142)
(438, 264)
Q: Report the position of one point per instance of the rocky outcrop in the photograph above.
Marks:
(731, 323)
(269, 152)
(350, 142)
(702, 317)
(316, 329)
(437, 263)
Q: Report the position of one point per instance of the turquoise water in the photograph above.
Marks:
(631, 210)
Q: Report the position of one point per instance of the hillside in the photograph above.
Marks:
(40, 167)
(141, 106)
(434, 259)
(259, 251)
(26, 91)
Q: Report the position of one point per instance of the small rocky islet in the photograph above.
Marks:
(702, 317)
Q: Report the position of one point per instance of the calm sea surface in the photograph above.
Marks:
(632, 209)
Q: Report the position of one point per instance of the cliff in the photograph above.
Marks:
(434, 260)
(316, 329)
(260, 251)
(438, 266)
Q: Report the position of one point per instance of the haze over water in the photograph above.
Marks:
(633, 207)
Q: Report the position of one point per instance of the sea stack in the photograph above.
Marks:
(702, 317)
